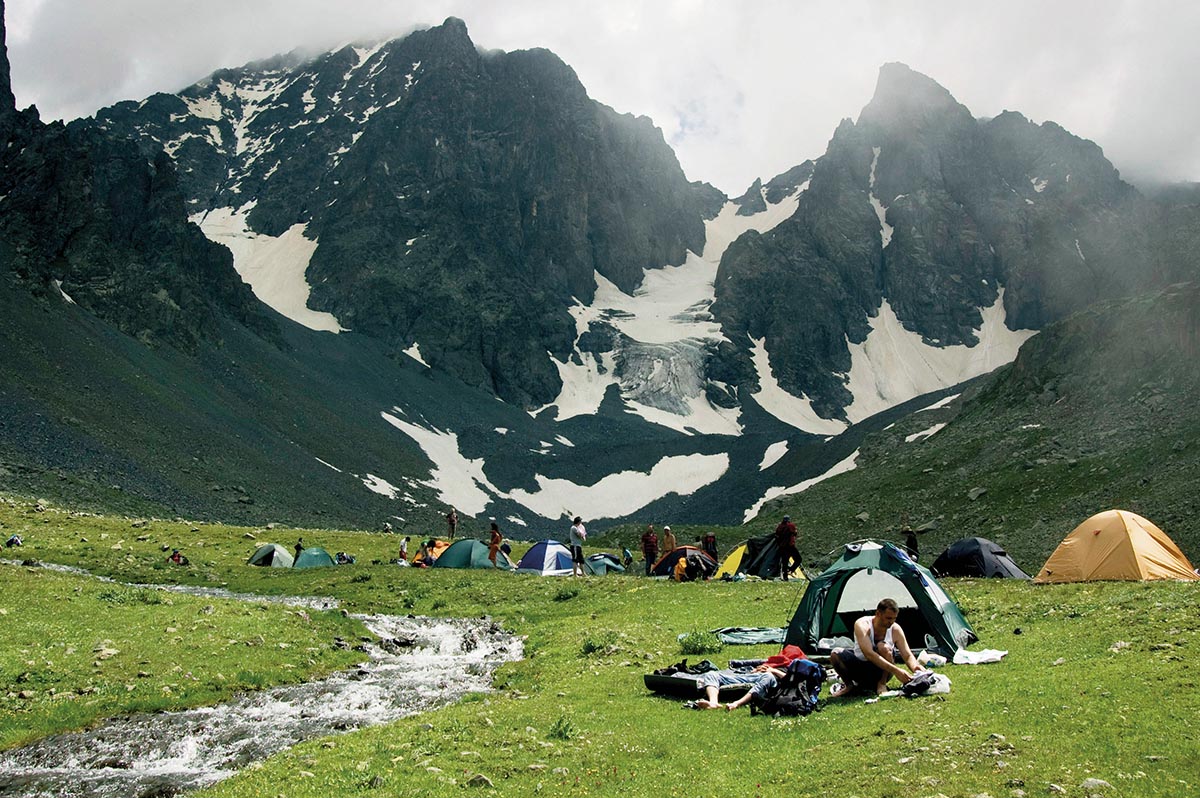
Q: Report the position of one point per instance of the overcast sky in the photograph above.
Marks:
(741, 89)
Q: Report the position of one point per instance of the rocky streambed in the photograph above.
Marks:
(412, 665)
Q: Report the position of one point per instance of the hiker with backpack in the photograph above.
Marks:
(871, 663)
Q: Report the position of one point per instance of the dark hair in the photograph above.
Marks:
(577, 520)
(494, 526)
(887, 604)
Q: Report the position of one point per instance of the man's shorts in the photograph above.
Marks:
(862, 673)
(577, 554)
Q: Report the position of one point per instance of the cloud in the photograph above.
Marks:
(740, 90)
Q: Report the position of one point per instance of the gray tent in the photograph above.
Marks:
(272, 555)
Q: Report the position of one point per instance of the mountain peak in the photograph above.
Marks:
(905, 96)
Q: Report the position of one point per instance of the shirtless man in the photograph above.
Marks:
(872, 661)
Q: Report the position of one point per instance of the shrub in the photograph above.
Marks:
(602, 643)
(700, 643)
(562, 729)
(566, 593)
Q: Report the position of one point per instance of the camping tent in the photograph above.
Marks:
(1116, 544)
(756, 557)
(976, 557)
(852, 587)
(271, 555)
(603, 563)
(548, 558)
(470, 554)
(314, 557)
(666, 564)
(438, 547)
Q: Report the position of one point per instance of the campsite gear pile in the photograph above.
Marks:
(697, 565)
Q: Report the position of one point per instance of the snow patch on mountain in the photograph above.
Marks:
(941, 402)
(894, 364)
(462, 483)
(273, 266)
(625, 492)
(381, 486)
(772, 454)
(848, 464)
(885, 229)
(414, 352)
(459, 482)
(664, 332)
(794, 410)
(925, 433)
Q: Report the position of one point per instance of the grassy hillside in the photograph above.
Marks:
(1097, 412)
(1078, 696)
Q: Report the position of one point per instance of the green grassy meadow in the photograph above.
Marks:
(1101, 681)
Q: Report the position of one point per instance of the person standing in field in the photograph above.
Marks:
(577, 536)
(452, 522)
(650, 547)
(785, 541)
(494, 541)
(709, 544)
(404, 548)
(669, 544)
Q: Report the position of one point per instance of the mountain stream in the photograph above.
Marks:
(413, 665)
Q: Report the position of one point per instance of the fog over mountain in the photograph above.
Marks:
(741, 91)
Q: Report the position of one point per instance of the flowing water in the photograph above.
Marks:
(414, 665)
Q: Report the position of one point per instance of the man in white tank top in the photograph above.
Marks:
(872, 662)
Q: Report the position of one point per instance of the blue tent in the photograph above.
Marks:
(548, 558)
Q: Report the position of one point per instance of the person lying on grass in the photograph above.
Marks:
(761, 680)
(871, 664)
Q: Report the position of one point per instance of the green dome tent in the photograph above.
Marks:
(470, 554)
(852, 587)
(603, 563)
(314, 557)
(271, 555)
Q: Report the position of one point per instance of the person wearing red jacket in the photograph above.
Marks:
(785, 541)
(650, 547)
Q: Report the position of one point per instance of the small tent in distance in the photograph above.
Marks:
(976, 557)
(666, 564)
(603, 563)
(547, 558)
(437, 548)
(852, 587)
(1116, 545)
(756, 557)
(314, 557)
(470, 554)
(271, 555)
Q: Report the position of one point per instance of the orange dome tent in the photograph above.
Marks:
(1116, 545)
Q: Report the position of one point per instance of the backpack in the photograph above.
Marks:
(703, 666)
(795, 692)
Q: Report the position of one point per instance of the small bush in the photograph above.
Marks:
(562, 729)
(360, 578)
(700, 643)
(566, 593)
(440, 605)
(603, 644)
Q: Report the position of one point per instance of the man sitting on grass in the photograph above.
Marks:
(872, 662)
